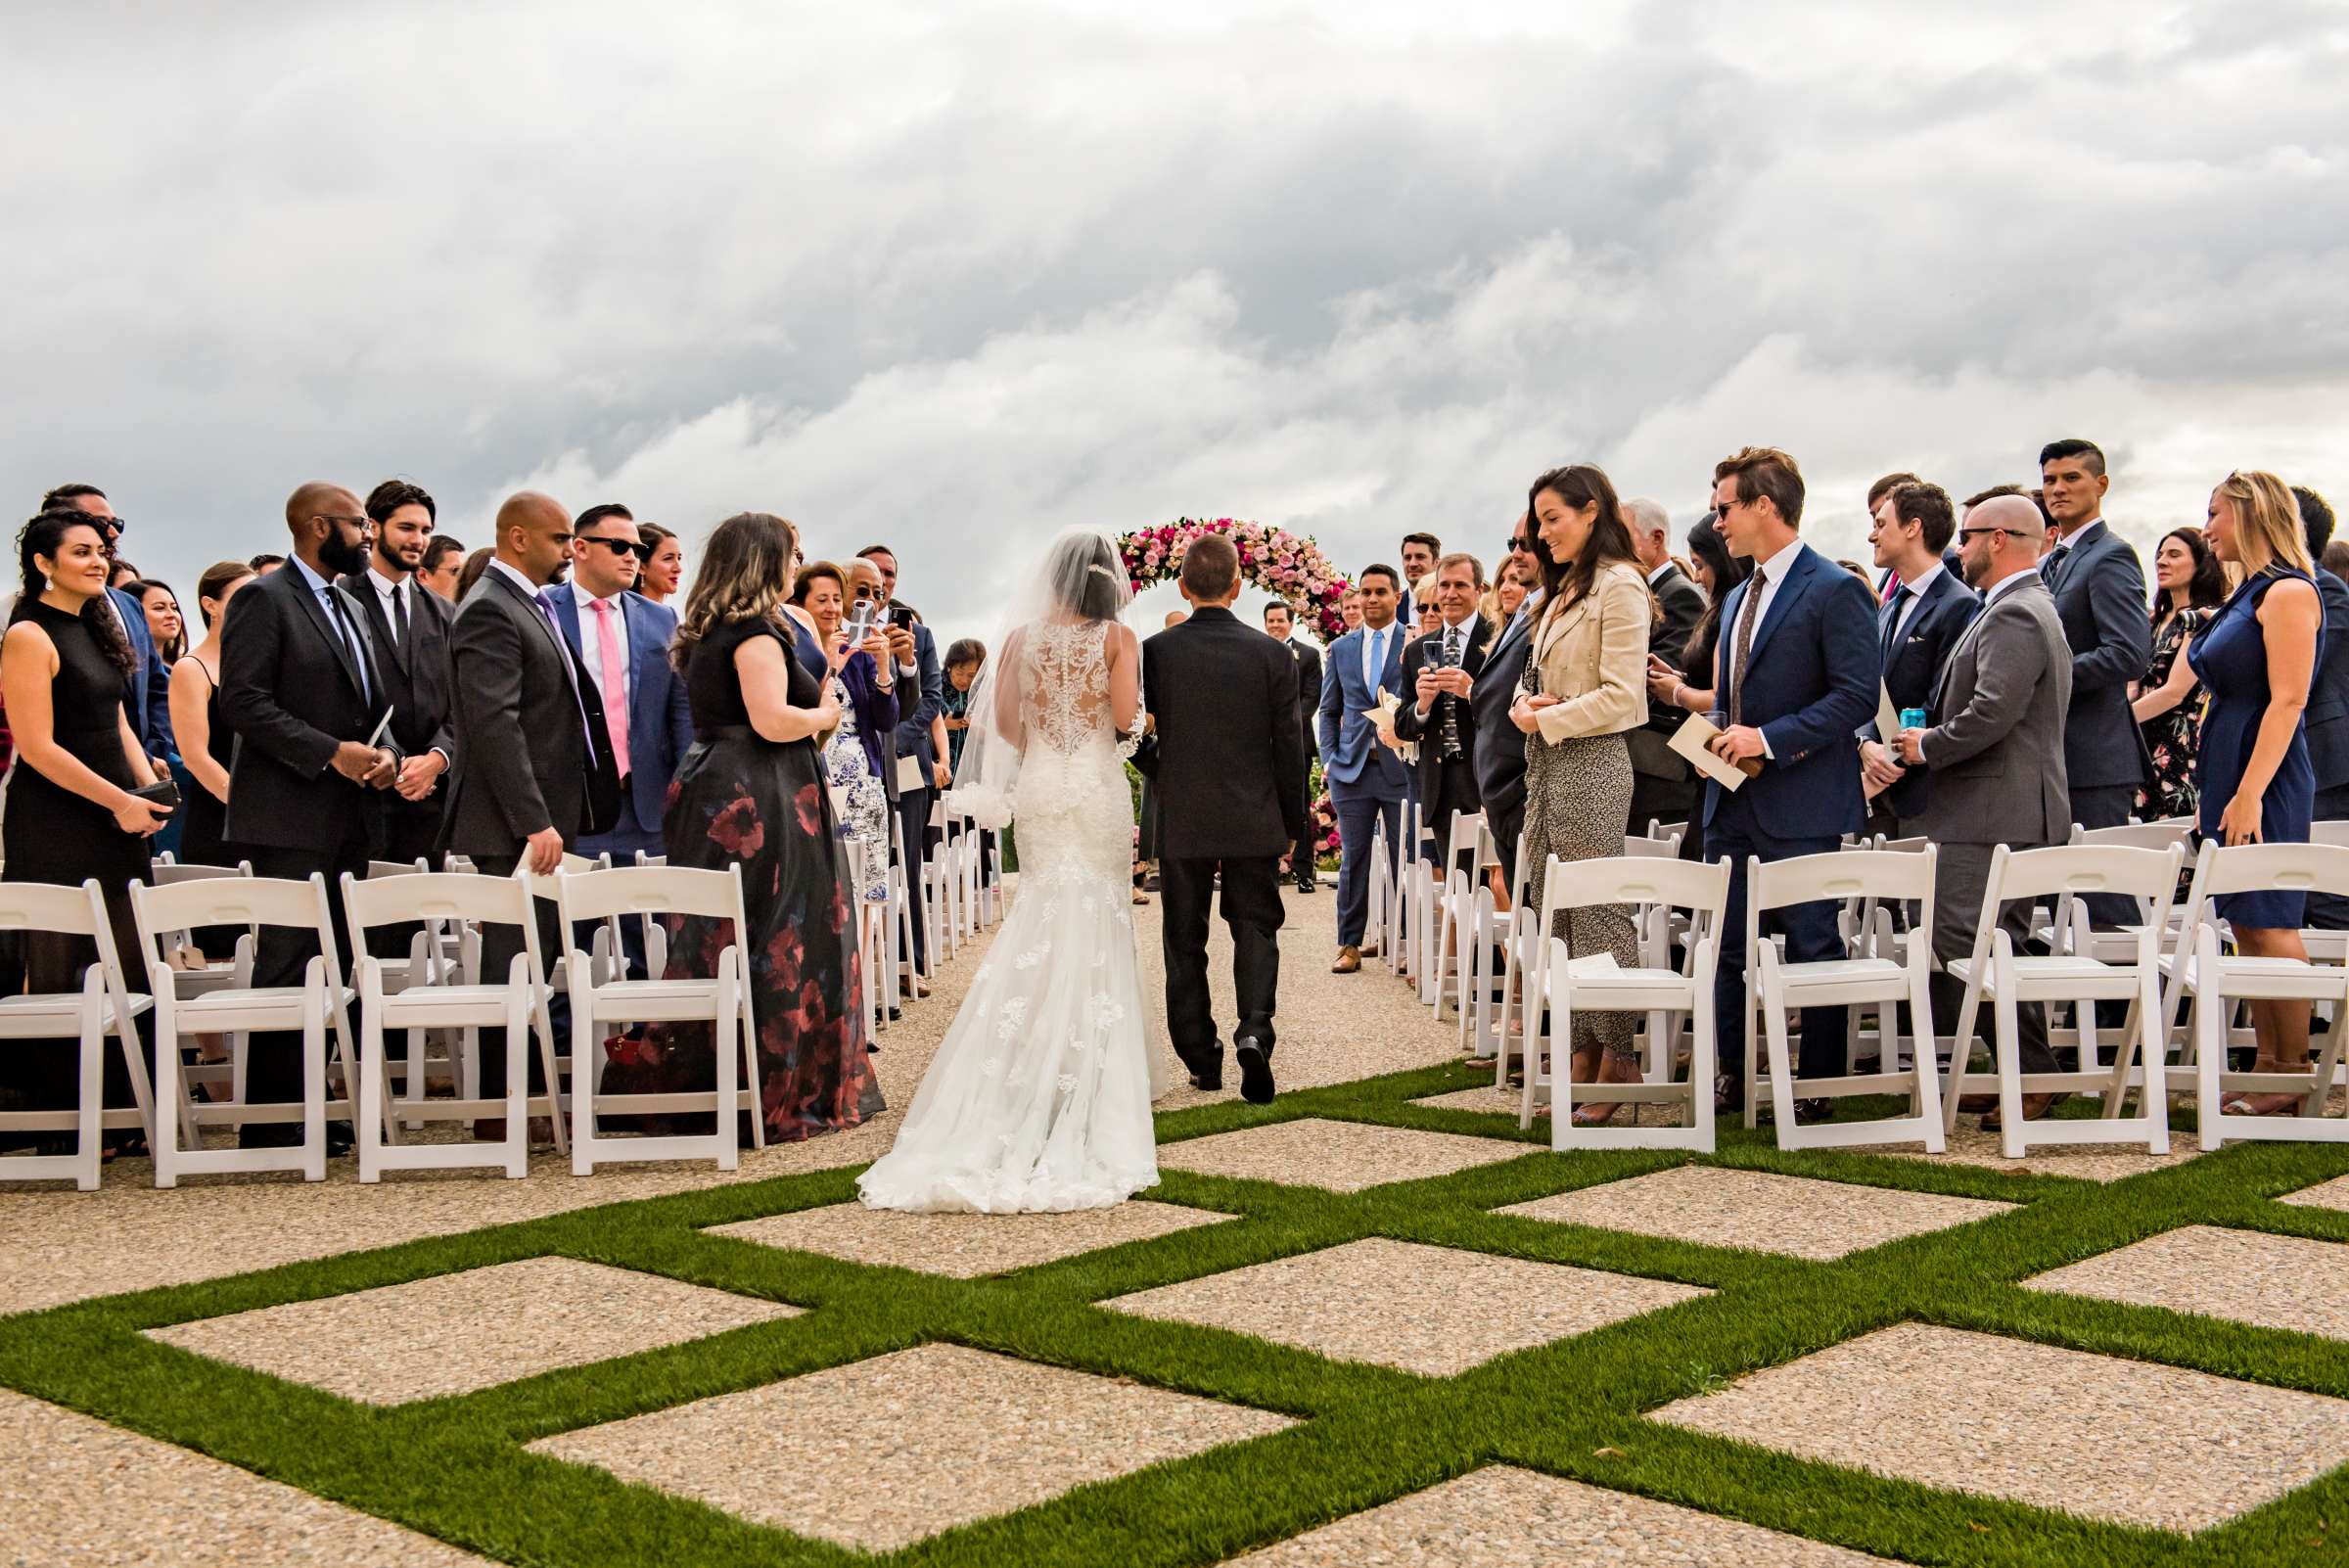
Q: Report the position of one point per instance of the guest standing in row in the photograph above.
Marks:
(965, 658)
(1439, 674)
(1365, 777)
(2258, 658)
(2189, 585)
(300, 685)
(164, 622)
(1797, 677)
(442, 564)
(621, 640)
(1585, 689)
(70, 812)
(409, 627)
(1499, 743)
(751, 790)
(918, 697)
(534, 780)
(863, 688)
(208, 743)
(1716, 572)
(1929, 610)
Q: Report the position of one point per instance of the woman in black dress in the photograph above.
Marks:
(751, 790)
(70, 813)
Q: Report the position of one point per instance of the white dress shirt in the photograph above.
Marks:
(591, 645)
(1917, 597)
(383, 589)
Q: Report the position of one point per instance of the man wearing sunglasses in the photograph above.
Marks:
(621, 639)
(147, 691)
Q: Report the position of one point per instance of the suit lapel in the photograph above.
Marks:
(1799, 580)
(300, 587)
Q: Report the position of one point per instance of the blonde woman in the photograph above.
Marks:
(1584, 688)
(1505, 597)
(2256, 784)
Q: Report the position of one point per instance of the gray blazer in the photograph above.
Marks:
(1996, 742)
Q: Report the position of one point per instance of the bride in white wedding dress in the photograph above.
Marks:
(1040, 1097)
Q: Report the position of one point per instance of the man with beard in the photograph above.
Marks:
(301, 687)
(411, 630)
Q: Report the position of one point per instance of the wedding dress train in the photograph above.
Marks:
(1040, 1097)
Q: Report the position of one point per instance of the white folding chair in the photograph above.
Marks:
(518, 1002)
(193, 974)
(1596, 983)
(723, 1001)
(2214, 981)
(1384, 921)
(104, 1007)
(1880, 983)
(1995, 970)
(1447, 966)
(320, 1002)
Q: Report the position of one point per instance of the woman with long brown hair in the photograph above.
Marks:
(1585, 687)
(2188, 585)
(752, 792)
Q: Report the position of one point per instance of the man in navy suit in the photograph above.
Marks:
(918, 671)
(1796, 677)
(621, 639)
(2100, 591)
(147, 690)
(1929, 610)
(1365, 777)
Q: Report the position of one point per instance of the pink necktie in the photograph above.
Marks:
(614, 683)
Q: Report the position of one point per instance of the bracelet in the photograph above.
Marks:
(1678, 686)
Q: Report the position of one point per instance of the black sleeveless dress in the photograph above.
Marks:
(50, 834)
(739, 798)
(204, 835)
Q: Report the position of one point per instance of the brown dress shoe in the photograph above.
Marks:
(1350, 959)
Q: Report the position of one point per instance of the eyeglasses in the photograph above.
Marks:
(620, 547)
(361, 522)
(1968, 534)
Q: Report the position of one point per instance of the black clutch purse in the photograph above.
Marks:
(163, 793)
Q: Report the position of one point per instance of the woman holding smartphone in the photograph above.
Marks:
(863, 688)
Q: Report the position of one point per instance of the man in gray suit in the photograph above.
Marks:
(1995, 745)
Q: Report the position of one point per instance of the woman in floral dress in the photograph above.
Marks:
(865, 690)
(752, 793)
(2189, 585)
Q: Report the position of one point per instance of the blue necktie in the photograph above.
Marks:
(1892, 622)
(328, 600)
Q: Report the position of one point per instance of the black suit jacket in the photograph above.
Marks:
(1227, 755)
(1918, 653)
(1308, 690)
(2327, 717)
(2099, 593)
(1429, 731)
(1499, 743)
(525, 762)
(416, 677)
(1682, 605)
(291, 690)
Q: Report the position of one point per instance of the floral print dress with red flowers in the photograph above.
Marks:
(2175, 738)
(739, 798)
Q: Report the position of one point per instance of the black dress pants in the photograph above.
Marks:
(500, 945)
(1254, 912)
(273, 1065)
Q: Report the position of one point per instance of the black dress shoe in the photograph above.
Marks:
(1728, 1095)
(1206, 1070)
(1256, 1072)
(1807, 1113)
(1308, 883)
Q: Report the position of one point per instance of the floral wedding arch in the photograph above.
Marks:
(1288, 566)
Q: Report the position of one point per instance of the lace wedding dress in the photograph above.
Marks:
(1040, 1097)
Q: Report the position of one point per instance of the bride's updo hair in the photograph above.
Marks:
(1087, 579)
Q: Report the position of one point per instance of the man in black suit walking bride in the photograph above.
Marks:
(1227, 763)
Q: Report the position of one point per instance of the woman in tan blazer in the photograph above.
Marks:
(1584, 688)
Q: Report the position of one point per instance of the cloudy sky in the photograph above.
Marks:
(957, 277)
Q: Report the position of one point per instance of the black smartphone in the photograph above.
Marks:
(899, 616)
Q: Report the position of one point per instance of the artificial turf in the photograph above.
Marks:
(456, 1468)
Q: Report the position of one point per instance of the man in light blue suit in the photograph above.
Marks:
(1367, 780)
(1797, 674)
(147, 690)
(621, 639)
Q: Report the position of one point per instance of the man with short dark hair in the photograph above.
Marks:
(1916, 629)
(1499, 743)
(913, 755)
(147, 689)
(442, 564)
(1418, 553)
(2327, 714)
(1280, 627)
(2100, 591)
(410, 631)
(1364, 775)
(300, 686)
(1797, 675)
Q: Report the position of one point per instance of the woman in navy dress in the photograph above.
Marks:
(2256, 784)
